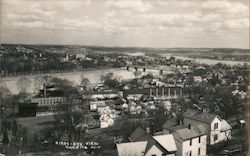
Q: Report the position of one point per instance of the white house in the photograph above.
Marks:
(94, 105)
(167, 105)
(80, 56)
(191, 142)
(106, 121)
(218, 129)
(197, 79)
(125, 106)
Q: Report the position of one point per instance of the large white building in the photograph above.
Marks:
(191, 142)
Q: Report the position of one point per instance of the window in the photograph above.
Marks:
(191, 142)
(199, 139)
(216, 126)
(153, 155)
(215, 137)
(199, 151)
(190, 154)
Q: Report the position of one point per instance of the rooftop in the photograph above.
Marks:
(167, 142)
(200, 116)
(131, 148)
(186, 134)
(139, 135)
(225, 126)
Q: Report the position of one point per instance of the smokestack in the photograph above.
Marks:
(44, 90)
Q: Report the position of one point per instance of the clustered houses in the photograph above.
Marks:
(189, 137)
(100, 95)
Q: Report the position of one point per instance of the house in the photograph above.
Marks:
(197, 79)
(131, 148)
(106, 121)
(218, 129)
(151, 106)
(134, 96)
(94, 105)
(155, 146)
(191, 141)
(100, 95)
(167, 105)
(171, 126)
(80, 56)
(125, 106)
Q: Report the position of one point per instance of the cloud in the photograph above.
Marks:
(70, 5)
(237, 23)
(78, 24)
(179, 3)
(232, 7)
(232, 25)
(135, 5)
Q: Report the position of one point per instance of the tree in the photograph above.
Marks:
(5, 103)
(85, 82)
(110, 81)
(137, 74)
(5, 140)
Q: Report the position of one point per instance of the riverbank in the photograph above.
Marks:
(94, 77)
(54, 72)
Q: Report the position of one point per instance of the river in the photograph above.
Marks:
(94, 77)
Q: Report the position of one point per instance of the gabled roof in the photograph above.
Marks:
(200, 116)
(202, 130)
(137, 134)
(225, 126)
(190, 113)
(169, 124)
(131, 148)
(166, 141)
(186, 134)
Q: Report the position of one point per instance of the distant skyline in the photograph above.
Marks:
(127, 23)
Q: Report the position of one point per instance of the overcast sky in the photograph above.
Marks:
(140, 23)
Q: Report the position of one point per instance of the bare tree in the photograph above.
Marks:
(85, 82)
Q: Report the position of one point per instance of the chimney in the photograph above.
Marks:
(148, 130)
(44, 90)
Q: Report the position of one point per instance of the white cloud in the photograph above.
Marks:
(178, 3)
(232, 7)
(135, 5)
(70, 5)
(238, 23)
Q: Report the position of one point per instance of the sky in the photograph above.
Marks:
(127, 23)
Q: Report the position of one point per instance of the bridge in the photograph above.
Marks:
(146, 68)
